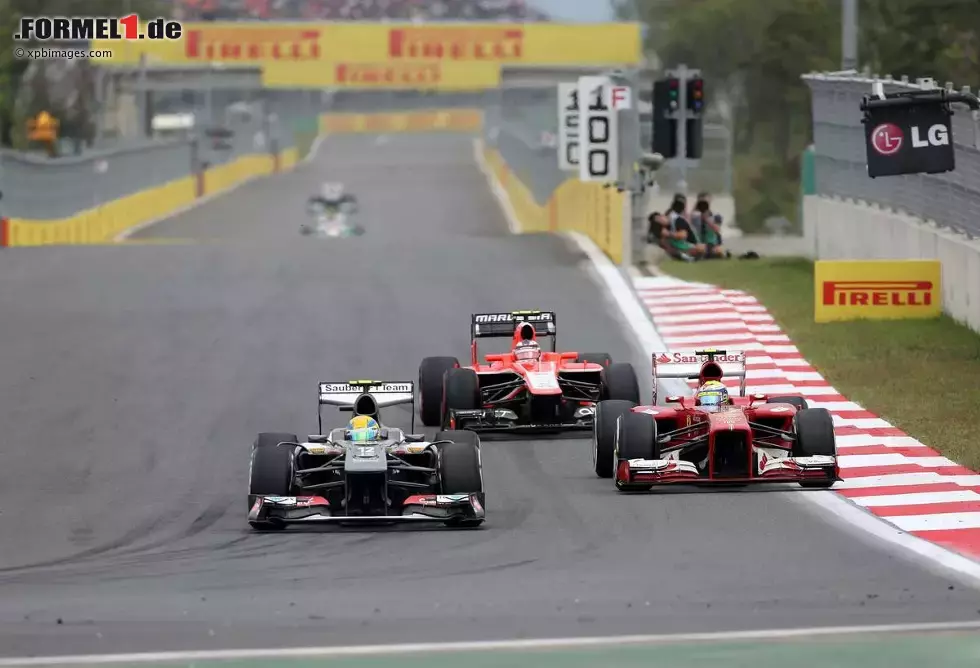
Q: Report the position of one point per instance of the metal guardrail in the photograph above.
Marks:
(950, 200)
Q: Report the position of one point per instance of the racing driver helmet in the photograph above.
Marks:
(713, 393)
(363, 429)
(527, 351)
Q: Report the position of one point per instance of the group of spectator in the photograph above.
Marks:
(356, 10)
(688, 236)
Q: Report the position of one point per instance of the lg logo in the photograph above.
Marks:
(887, 138)
(938, 135)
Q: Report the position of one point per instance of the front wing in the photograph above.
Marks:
(490, 420)
(665, 471)
(280, 510)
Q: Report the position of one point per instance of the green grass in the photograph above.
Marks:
(923, 376)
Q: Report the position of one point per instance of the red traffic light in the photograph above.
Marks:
(675, 83)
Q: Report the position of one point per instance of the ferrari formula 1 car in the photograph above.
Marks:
(396, 478)
(757, 438)
(552, 391)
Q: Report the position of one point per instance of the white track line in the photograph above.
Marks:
(482, 646)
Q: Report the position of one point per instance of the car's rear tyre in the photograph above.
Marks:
(604, 435)
(636, 438)
(432, 373)
(461, 393)
(461, 468)
(271, 469)
(602, 359)
(799, 402)
(620, 383)
(815, 438)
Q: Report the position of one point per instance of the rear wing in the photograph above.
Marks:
(486, 325)
(385, 393)
(690, 364)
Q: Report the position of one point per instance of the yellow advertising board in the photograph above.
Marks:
(877, 289)
(425, 75)
(534, 44)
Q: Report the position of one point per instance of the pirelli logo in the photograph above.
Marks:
(877, 289)
(877, 293)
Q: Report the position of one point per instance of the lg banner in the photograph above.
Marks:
(913, 139)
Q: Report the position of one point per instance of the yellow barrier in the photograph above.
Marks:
(575, 206)
(877, 289)
(442, 120)
(103, 223)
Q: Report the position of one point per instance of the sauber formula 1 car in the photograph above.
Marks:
(757, 438)
(398, 477)
(554, 392)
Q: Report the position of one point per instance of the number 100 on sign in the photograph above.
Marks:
(598, 134)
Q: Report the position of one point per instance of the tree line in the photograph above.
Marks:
(753, 52)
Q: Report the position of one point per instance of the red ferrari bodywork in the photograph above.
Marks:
(753, 439)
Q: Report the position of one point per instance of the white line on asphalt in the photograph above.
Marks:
(482, 646)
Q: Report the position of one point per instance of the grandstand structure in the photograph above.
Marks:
(357, 10)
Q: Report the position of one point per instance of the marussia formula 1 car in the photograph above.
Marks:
(757, 438)
(399, 478)
(556, 392)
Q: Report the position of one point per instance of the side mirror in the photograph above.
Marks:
(674, 400)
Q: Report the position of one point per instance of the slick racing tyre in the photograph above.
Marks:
(271, 468)
(462, 393)
(815, 438)
(636, 439)
(604, 435)
(461, 468)
(432, 373)
(602, 359)
(620, 383)
(799, 402)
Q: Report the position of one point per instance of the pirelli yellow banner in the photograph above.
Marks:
(877, 289)
(456, 48)
(425, 75)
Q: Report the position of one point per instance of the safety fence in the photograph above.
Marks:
(849, 215)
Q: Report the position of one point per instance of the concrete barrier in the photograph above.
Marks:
(599, 213)
(837, 229)
(104, 222)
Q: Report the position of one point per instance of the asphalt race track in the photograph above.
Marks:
(134, 379)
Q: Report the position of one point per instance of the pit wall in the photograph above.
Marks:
(105, 222)
(836, 229)
(587, 208)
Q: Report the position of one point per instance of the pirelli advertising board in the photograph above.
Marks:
(447, 56)
(877, 289)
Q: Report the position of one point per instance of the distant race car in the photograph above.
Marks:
(396, 477)
(755, 439)
(332, 213)
(525, 388)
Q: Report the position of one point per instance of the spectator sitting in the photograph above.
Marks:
(683, 242)
(709, 225)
